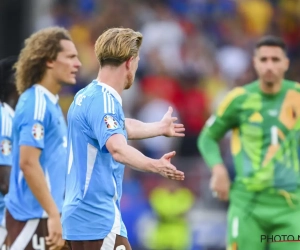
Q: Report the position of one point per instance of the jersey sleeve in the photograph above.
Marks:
(105, 123)
(218, 124)
(33, 121)
(5, 140)
(226, 116)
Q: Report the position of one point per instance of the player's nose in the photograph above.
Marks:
(77, 64)
(269, 65)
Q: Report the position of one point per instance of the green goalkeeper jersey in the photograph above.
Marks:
(265, 136)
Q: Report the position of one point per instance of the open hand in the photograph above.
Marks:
(171, 129)
(167, 170)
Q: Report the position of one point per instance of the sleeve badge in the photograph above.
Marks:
(110, 122)
(38, 131)
(5, 147)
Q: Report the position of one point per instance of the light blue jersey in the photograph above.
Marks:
(6, 116)
(38, 123)
(94, 180)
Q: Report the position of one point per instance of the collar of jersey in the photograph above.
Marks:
(53, 98)
(111, 91)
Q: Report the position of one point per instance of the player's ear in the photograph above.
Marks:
(287, 63)
(49, 64)
(128, 63)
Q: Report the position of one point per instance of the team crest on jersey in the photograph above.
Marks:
(38, 131)
(110, 122)
(5, 147)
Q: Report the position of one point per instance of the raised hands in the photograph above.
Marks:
(170, 128)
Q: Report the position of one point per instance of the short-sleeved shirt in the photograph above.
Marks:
(6, 119)
(38, 123)
(94, 180)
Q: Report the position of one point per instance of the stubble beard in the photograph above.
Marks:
(269, 84)
(129, 81)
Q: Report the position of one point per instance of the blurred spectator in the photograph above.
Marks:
(257, 15)
(170, 202)
(165, 35)
(233, 61)
(193, 111)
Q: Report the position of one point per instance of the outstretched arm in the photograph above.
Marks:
(123, 153)
(165, 127)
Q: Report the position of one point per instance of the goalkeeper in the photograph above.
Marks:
(264, 119)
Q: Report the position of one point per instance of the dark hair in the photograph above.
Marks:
(272, 41)
(7, 76)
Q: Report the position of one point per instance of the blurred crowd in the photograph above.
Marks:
(193, 53)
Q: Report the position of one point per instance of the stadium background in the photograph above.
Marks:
(193, 52)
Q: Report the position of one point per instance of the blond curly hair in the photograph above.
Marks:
(117, 45)
(39, 48)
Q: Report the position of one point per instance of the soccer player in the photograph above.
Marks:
(98, 149)
(8, 94)
(37, 182)
(264, 119)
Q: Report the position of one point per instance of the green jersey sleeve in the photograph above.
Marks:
(218, 124)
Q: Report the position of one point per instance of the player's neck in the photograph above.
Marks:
(111, 77)
(270, 89)
(49, 83)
